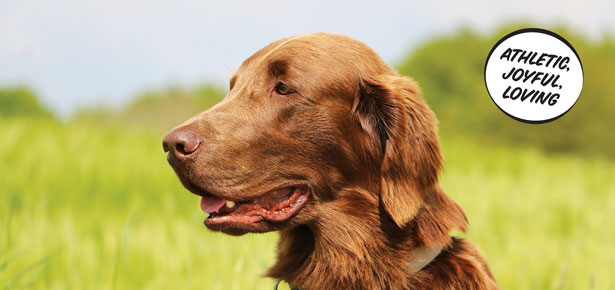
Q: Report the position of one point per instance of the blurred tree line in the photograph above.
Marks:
(450, 71)
(158, 110)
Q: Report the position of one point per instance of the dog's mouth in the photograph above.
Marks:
(276, 205)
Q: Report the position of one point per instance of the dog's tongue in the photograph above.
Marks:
(210, 203)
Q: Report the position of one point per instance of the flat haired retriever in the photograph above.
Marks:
(320, 139)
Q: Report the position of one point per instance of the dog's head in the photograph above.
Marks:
(311, 124)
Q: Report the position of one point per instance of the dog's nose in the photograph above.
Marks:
(181, 142)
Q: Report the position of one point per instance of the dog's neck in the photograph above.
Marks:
(353, 252)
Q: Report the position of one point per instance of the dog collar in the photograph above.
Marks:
(422, 256)
(419, 258)
(275, 287)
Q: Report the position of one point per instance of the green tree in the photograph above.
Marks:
(21, 102)
(450, 70)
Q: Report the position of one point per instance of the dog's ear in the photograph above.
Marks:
(390, 108)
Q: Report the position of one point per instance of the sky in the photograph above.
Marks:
(90, 52)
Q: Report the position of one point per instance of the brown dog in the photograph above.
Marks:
(318, 138)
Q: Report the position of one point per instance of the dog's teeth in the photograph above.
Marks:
(230, 204)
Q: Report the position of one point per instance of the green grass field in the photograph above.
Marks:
(86, 207)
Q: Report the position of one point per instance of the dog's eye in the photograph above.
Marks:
(283, 89)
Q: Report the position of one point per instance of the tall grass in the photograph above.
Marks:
(87, 207)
